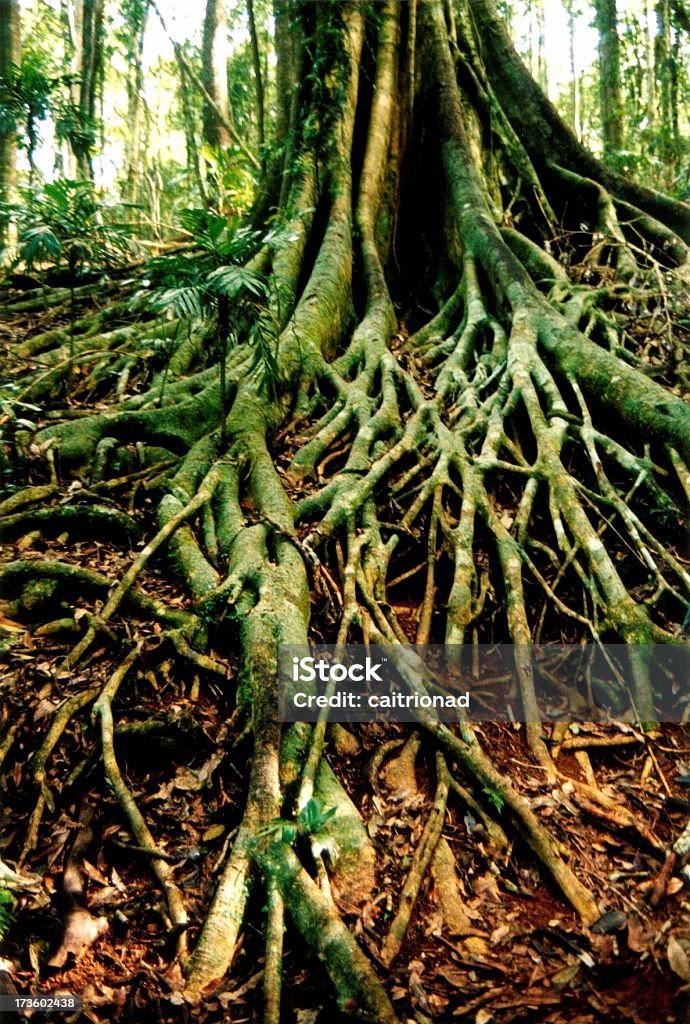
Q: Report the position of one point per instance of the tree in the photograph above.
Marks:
(84, 27)
(9, 61)
(215, 73)
(258, 75)
(505, 440)
(136, 15)
(610, 98)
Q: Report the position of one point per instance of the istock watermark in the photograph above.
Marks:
(613, 682)
(307, 669)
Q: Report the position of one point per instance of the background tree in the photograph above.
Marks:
(258, 77)
(214, 62)
(135, 14)
(610, 98)
(9, 63)
(83, 25)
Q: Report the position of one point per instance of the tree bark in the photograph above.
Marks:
(135, 84)
(258, 78)
(214, 74)
(9, 60)
(610, 98)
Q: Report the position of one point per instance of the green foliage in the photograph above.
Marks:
(74, 126)
(494, 797)
(25, 92)
(233, 179)
(31, 93)
(7, 905)
(310, 821)
(62, 225)
(313, 817)
(213, 280)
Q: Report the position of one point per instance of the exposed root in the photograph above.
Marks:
(358, 989)
(161, 868)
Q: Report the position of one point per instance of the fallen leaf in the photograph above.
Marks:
(566, 975)
(213, 832)
(638, 937)
(678, 959)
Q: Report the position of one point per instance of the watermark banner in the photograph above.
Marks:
(489, 683)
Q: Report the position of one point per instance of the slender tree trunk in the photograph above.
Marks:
(664, 73)
(9, 58)
(258, 79)
(214, 65)
(610, 98)
(135, 82)
(91, 66)
(287, 47)
(651, 98)
(573, 114)
(537, 42)
(192, 149)
(542, 69)
(83, 24)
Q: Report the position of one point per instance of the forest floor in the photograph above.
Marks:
(529, 958)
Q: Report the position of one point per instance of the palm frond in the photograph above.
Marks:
(186, 302)
(232, 281)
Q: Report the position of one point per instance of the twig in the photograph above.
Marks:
(495, 832)
(8, 738)
(597, 742)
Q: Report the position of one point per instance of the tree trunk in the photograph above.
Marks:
(490, 460)
(258, 78)
(214, 64)
(573, 90)
(9, 59)
(665, 73)
(83, 22)
(610, 99)
(135, 84)
(91, 68)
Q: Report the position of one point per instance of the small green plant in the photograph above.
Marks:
(13, 417)
(62, 227)
(310, 820)
(7, 905)
(494, 797)
(214, 281)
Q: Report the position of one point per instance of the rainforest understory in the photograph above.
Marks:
(472, 428)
